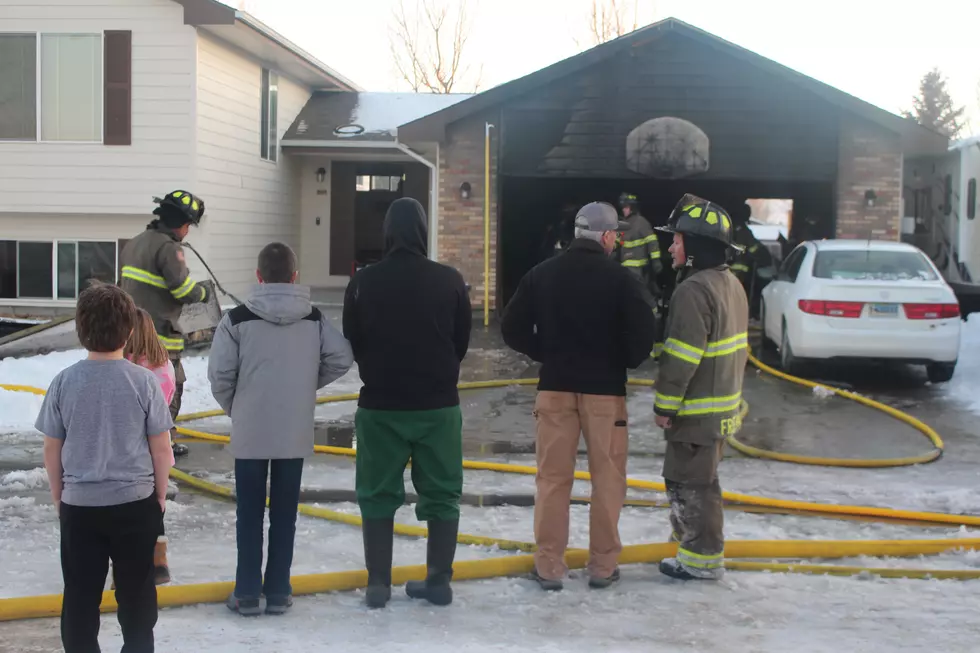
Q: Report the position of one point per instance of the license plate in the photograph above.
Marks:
(884, 310)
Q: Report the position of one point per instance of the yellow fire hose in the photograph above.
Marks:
(45, 606)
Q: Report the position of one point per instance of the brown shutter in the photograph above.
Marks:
(117, 105)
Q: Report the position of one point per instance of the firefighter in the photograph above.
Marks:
(638, 248)
(754, 255)
(155, 274)
(699, 382)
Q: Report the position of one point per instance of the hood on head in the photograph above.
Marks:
(280, 303)
(704, 253)
(405, 227)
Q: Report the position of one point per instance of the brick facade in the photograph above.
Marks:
(869, 158)
(461, 228)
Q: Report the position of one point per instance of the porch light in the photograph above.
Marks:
(870, 197)
(464, 190)
(321, 174)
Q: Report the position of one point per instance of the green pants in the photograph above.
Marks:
(388, 439)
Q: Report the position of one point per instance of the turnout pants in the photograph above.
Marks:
(90, 537)
(388, 439)
(691, 476)
(561, 418)
(179, 378)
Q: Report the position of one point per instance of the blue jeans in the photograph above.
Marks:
(250, 479)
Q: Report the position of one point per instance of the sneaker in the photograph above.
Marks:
(278, 605)
(244, 607)
(602, 583)
(675, 569)
(546, 584)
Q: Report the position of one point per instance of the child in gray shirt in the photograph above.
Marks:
(107, 453)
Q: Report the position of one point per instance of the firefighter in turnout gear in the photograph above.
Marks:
(699, 383)
(638, 248)
(754, 255)
(155, 274)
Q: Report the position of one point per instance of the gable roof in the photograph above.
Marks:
(252, 35)
(362, 117)
(916, 139)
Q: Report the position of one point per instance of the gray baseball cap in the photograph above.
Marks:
(599, 216)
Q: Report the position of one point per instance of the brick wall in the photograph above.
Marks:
(461, 230)
(869, 158)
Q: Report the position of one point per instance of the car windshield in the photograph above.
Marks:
(872, 265)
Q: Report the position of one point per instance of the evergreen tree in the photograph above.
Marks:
(933, 107)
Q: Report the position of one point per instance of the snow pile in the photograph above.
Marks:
(963, 387)
(21, 480)
(383, 113)
(822, 392)
(18, 410)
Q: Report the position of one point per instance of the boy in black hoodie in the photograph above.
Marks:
(408, 322)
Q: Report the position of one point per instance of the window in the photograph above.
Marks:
(52, 88)
(792, 264)
(58, 270)
(971, 199)
(270, 115)
(368, 183)
(873, 265)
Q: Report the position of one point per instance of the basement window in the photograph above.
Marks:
(54, 270)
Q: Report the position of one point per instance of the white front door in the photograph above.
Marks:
(315, 227)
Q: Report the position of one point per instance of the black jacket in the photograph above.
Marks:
(408, 320)
(585, 318)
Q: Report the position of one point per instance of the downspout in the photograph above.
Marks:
(433, 196)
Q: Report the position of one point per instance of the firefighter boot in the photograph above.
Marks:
(676, 569)
(161, 570)
(441, 551)
(378, 536)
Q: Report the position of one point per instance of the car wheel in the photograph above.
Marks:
(786, 358)
(940, 372)
(768, 344)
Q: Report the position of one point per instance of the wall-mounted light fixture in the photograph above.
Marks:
(464, 190)
(321, 174)
(870, 198)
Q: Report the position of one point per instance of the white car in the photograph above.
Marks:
(862, 300)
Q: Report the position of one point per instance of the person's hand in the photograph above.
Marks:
(662, 421)
(163, 503)
(57, 507)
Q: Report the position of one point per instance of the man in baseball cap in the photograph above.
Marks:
(587, 320)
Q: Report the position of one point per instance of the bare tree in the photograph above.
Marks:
(610, 19)
(428, 46)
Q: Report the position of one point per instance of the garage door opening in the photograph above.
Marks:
(536, 212)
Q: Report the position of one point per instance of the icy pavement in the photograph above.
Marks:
(747, 613)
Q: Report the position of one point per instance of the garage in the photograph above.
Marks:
(665, 110)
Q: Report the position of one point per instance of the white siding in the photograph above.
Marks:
(68, 178)
(250, 201)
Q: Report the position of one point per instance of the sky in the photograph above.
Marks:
(869, 48)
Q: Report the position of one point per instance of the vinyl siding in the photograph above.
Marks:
(87, 178)
(250, 201)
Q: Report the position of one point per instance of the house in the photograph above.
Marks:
(106, 105)
(193, 94)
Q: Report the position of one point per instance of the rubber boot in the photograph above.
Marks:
(161, 569)
(378, 536)
(441, 552)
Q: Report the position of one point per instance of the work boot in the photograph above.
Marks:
(441, 551)
(602, 583)
(675, 569)
(378, 536)
(547, 584)
(161, 570)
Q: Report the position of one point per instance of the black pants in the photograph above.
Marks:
(90, 537)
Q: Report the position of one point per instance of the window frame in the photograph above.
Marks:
(268, 151)
(54, 266)
(37, 90)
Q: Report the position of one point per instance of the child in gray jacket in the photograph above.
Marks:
(268, 359)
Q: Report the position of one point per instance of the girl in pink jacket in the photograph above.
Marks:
(144, 349)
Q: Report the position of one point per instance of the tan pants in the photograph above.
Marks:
(561, 417)
(696, 509)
